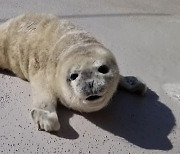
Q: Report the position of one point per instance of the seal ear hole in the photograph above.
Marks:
(103, 69)
(73, 76)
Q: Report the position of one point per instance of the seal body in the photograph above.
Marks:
(62, 62)
(43, 44)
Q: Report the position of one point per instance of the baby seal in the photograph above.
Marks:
(61, 62)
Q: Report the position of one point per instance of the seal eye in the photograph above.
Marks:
(73, 76)
(103, 69)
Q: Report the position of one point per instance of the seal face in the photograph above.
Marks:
(92, 77)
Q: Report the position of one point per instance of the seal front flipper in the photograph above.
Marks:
(44, 106)
(45, 120)
(132, 84)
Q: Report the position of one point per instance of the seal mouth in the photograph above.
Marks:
(93, 97)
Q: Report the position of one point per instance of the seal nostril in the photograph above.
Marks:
(73, 76)
(103, 69)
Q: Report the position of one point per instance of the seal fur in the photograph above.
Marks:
(61, 61)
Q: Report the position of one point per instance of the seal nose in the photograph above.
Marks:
(91, 84)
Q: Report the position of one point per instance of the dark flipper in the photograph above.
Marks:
(132, 84)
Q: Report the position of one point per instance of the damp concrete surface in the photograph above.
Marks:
(145, 39)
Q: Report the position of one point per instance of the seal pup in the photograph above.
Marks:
(61, 61)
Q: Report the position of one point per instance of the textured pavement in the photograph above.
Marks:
(145, 38)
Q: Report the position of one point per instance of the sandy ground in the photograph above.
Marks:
(145, 38)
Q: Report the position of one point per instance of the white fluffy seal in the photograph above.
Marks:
(61, 61)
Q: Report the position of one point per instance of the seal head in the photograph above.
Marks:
(90, 78)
